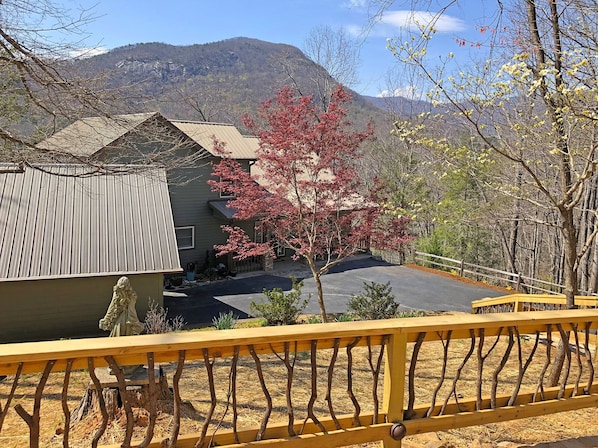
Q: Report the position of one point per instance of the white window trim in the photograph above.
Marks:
(224, 194)
(192, 246)
(280, 249)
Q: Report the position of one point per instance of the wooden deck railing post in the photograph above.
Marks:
(518, 303)
(394, 383)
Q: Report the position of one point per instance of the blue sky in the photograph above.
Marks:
(186, 22)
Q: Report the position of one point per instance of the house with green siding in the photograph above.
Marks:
(185, 149)
(68, 233)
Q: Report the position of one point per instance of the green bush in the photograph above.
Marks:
(224, 321)
(346, 317)
(375, 302)
(314, 320)
(281, 308)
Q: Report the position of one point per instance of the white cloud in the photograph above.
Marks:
(354, 30)
(83, 53)
(354, 3)
(411, 92)
(414, 20)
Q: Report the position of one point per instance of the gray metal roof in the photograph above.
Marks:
(237, 146)
(64, 224)
(220, 206)
(89, 135)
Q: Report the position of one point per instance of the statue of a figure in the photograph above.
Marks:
(121, 318)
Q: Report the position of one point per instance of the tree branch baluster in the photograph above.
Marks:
(314, 388)
(522, 367)
(176, 389)
(578, 359)
(376, 373)
(33, 419)
(328, 398)
(122, 387)
(230, 395)
(499, 368)
(589, 362)
(15, 382)
(64, 398)
(290, 366)
(481, 359)
(445, 346)
(453, 391)
(233, 379)
(98, 386)
(260, 373)
(357, 411)
(153, 402)
(567, 368)
(416, 348)
(209, 364)
(547, 362)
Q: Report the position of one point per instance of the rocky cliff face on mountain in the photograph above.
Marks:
(215, 82)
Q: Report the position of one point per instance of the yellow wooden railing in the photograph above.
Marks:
(529, 302)
(308, 385)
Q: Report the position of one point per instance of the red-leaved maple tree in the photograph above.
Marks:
(305, 191)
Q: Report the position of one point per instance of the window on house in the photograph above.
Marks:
(258, 233)
(185, 237)
(279, 248)
(226, 194)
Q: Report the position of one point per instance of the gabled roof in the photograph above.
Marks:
(87, 136)
(64, 224)
(237, 145)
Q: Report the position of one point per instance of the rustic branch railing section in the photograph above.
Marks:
(495, 276)
(306, 385)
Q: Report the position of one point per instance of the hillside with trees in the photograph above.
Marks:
(216, 82)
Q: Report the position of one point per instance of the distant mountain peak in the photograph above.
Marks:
(216, 81)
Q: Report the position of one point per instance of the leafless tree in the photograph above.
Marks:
(42, 91)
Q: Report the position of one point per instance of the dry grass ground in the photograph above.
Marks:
(251, 403)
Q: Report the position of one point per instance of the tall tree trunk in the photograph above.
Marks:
(315, 272)
(570, 252)
(571, 288)
(321, 297)
(593, 283)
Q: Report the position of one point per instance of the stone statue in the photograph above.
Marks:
(121, 318)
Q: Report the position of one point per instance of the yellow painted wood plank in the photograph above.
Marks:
(132, 349)
(278, 432)
(475, 418)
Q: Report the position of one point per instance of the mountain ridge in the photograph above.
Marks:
(216, 81)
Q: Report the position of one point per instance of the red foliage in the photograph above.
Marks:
(305, 191)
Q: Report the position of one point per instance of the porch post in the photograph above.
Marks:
(394, 384)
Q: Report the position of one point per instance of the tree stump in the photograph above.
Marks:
(136, 388)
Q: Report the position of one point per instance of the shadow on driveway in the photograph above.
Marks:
(413, 289)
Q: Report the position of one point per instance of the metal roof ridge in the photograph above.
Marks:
(199, 122)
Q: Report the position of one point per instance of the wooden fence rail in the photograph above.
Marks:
(497, 276)
(307, 385)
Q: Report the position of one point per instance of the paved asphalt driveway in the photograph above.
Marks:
(413, 289)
